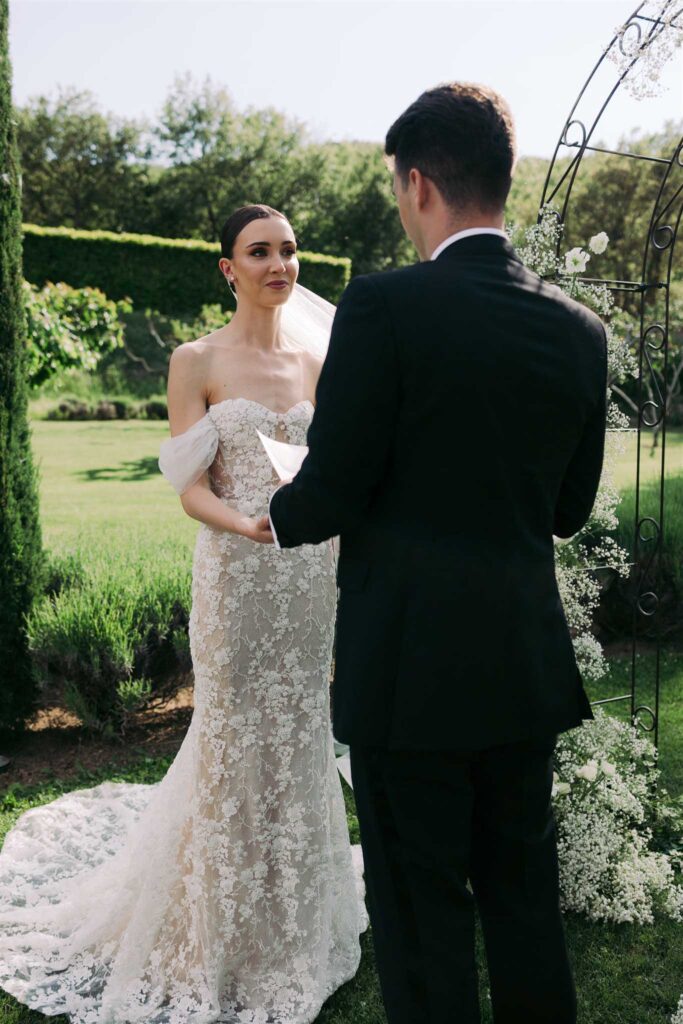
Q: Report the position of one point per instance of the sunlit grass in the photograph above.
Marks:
(101, 478)
(650, 458)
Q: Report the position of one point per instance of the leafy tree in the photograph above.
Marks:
(218, 159)
(81, 168)
(353, 211)
(525, 194)
(20, 537)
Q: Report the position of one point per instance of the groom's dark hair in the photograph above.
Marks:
(461, 136)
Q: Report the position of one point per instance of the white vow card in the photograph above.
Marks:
(286, 458)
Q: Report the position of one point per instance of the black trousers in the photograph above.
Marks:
(429, 822)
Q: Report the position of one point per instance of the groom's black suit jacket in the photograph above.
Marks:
(459, 424)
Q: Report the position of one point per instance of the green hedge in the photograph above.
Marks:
(173, 275)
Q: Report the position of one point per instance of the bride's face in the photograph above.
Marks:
(264, 263)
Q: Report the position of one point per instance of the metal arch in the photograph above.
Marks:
(653, 290)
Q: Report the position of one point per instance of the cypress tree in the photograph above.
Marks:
(20, 537)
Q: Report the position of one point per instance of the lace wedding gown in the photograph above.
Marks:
(228, 891)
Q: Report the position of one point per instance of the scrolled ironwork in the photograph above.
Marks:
(647, 603)
(644, 414)
(643, 708)
(582, 130)
(656, 532)
(631, 23)
(669, 235)
(656, 403)
(652, 329)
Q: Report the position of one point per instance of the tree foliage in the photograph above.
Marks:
(20, 537)
(81, 168)
(216, 159)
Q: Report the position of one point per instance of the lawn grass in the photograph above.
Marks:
(101, 478)
(650, 466)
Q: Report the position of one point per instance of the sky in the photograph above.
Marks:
(347, 68)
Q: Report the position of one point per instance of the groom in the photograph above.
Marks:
(459, 426)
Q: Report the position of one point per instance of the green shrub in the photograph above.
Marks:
(134, 694)
(153, 410)
(71, 409)
(175, 276)
(114, 409)
(21, 562)
(108, 621)
(61, 572)
(69, 328)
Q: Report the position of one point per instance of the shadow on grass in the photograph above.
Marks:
(125, 472)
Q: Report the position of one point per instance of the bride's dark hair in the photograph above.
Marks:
(238, 220)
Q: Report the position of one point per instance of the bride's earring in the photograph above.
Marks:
(231, 281)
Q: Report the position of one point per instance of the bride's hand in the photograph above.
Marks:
(257, 530)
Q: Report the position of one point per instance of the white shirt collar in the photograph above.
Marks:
(465, 234)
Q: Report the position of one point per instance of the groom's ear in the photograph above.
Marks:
(422, 186)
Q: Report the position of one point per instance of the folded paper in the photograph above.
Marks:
(286, 458)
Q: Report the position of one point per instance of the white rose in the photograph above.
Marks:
(608, 768)
(598, 243)
(576, 261)
(589, 772)
(562, 788)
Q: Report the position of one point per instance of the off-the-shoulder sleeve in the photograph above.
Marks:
(183, 458)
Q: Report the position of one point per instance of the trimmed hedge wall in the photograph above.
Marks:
(175, 276)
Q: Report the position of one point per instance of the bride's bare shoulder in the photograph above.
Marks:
(187, 368)
(195, 355)
(208, 343)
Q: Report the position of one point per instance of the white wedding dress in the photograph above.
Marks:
(228, 891)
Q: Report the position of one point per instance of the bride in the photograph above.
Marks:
(229, 890)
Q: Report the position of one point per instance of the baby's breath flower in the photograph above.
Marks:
(654, 50)
(608, 870)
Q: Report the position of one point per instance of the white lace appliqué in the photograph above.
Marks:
(229, 890)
